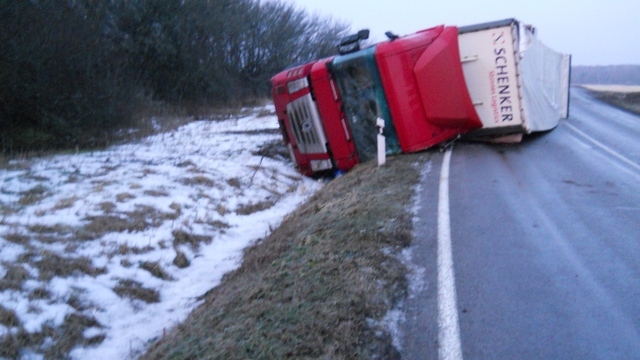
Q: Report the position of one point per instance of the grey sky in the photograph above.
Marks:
(595, 32)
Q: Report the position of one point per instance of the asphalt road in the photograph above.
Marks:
(545, 244)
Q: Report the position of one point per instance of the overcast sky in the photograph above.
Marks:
(595, 32)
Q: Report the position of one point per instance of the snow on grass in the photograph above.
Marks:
(124, 241)
(614, 88)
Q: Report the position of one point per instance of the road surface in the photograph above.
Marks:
(541, 259)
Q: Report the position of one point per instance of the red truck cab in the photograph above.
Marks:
(328, 109)
(425, 87)
(311, 120)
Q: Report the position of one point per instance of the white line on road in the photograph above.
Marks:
(604, 147)
(448, 327)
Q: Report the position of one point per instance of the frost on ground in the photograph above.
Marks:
(102, 252)
(415, 274)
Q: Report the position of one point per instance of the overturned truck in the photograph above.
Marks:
(492, 81)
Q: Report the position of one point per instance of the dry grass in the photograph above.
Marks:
(124, 197)
(222, 210)
(60, 233)
(181, 237)
(310, 289)
(273, 149)
(17, 238)
(125, 249)
(155, 269)
(33, 195)
(8, 317)
(65, 203)
(59, 229)
(142, 218)
(70, 335)
(51, 265)
(134, 290)
(106, 206)
(15, 276)
(104, 224)
(7, 210)
(234, 182)
(40, 293)
(198, 180)
(217, 224)
(35, 177)
(181, 260)
(156, 193)
(10, 345)
(54, 343)
(186, 163)
(248, 209)
(105, 170)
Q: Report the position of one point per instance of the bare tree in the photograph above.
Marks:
(71, 69)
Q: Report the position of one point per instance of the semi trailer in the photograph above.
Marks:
(492, 81)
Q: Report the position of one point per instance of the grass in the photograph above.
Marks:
(125, 249)
(33, 195)
(39, 293)
(311, 288)
(248, 209)
(106, 206)
(8, 317)
(65, 203)
(54, 343)
(140, 219)
(198, 180)
(51, 265)
(181, 237)
(17, 238)
(155, 269)
(156, 193)
(274, 150)
(124, 197)
(234, 182)
(181, 260)
(134, 290)
(14, 277)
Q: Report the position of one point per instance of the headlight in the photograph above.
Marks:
(297, 85)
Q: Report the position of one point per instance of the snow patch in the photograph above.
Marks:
(105, 214)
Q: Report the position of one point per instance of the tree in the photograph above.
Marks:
(72, 71)
(57, 87)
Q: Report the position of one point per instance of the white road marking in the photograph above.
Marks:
(604, 147)
(448, 327)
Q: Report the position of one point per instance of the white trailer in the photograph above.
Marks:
(517, 84)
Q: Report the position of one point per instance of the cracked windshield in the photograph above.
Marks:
(361, 90)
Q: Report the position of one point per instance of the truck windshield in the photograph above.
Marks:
(364, 102)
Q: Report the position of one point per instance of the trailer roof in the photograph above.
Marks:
(485, 26)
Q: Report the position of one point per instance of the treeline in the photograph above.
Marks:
(606, 75)
(74, 71)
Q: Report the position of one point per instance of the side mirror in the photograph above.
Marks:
(351, 43)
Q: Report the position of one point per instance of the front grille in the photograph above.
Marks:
(306, 126)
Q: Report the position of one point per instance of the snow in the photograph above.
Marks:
(192, 180)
